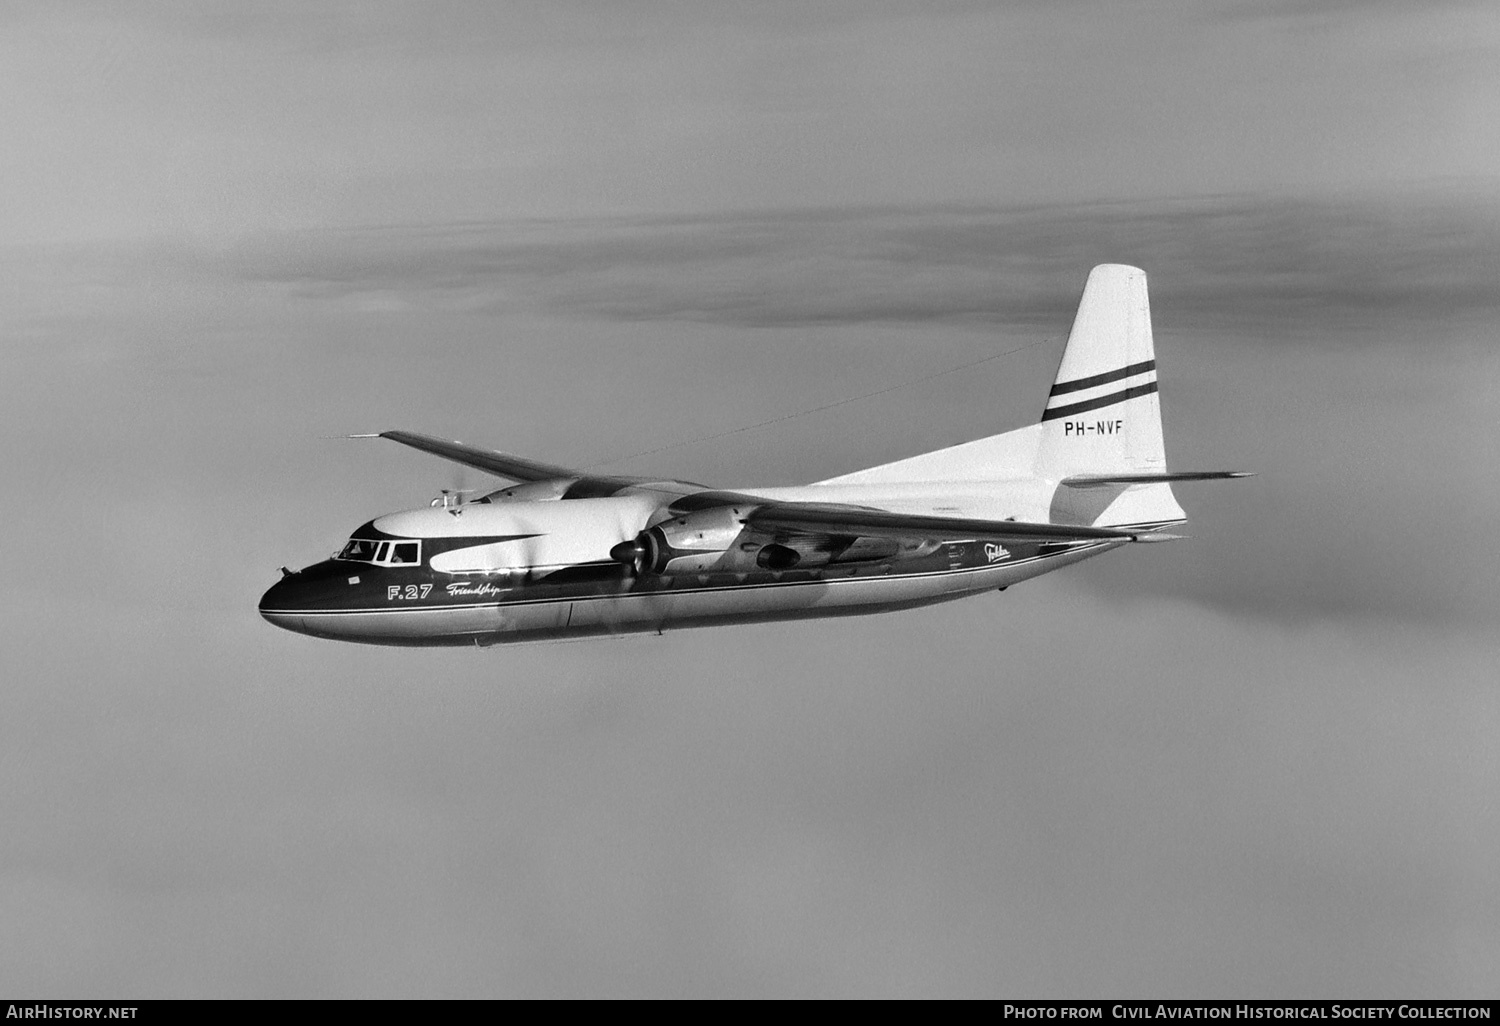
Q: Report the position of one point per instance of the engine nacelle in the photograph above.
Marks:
(803, 553)
(717, 541)
(778, 557)
(699, 542)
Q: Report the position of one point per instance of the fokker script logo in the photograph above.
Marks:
(995, 553)
(473, 590)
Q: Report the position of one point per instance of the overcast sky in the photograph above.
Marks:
(1261, 762)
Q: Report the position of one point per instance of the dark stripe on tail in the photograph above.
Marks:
(1064, 387)
(1100, 403)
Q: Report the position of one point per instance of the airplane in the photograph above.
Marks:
(566, 554)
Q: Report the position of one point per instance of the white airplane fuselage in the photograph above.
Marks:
(526, 571)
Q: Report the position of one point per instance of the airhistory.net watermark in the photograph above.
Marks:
(44, 1010)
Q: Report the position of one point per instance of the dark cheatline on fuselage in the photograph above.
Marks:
(415, 605)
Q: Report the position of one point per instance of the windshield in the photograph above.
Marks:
(361, 549)
(387, 553)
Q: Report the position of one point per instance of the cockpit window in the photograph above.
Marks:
(361, 549)
(385, 553)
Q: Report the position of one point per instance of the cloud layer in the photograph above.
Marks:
(1292, 263)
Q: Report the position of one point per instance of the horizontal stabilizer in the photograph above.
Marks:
(1099, 480)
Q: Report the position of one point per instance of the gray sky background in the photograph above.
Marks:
(1261, 762)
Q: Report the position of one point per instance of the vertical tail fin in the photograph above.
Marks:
(1103, 416)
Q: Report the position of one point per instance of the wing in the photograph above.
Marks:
(831, 518)
(579, 485)
(501, 464)
(1098, 480)
(519, 468)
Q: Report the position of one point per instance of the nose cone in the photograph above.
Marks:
(280, 604)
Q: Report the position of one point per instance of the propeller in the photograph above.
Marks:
(635, 555)
(452, 498)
